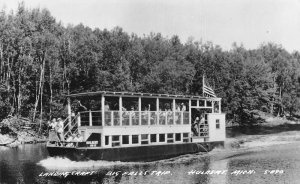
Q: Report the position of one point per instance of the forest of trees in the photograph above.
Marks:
(41, 59)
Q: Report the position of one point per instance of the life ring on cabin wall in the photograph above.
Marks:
(195, 148)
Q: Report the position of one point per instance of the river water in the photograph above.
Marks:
(271, 164)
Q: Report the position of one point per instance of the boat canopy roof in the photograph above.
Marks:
(136, 94)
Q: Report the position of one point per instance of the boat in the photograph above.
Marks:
(128, 126)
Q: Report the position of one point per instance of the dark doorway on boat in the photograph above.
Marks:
(199, 121)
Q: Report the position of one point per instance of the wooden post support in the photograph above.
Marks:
(157, 111)
(78, 120)
(120, 109)
(190, 111)
(69, 113)
(140, 109)
(220, 106)
(173, 111)
(102, 109)
(90, 118)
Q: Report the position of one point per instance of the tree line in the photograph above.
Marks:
(41, 59)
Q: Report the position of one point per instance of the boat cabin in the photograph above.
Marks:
(124, 119)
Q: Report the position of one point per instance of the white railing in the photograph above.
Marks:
(134, 118)
(70, 127)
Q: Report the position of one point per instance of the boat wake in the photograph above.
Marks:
(59, 163)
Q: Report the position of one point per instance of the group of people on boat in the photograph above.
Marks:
(56, 132)
(57, 128)
(73, 138)
(199, 121)
(128, 106)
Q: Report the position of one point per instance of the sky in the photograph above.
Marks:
(222, 22)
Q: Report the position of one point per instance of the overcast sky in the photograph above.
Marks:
(223, 22)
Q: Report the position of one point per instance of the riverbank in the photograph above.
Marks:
(273, 132)
(250, 141)
(16, 131)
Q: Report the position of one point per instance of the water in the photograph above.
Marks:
(31, 164)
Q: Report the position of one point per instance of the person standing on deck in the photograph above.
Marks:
(53, 124)
(78, 138)
(195, 126)
(202, 126)
(52, 132)
(60, 129)
(106, 107)
(183, 107)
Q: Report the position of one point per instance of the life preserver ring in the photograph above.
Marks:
(195, 148)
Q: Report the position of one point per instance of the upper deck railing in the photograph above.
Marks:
(133, 118)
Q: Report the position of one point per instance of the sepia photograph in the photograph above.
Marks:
(149, 91)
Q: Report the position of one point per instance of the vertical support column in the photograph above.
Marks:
(220, 106)
(212, 106)
(112, 118)
(181, 117)
(140, 109)
(102, 140)
(78, 120)
(120, 109)
(148, 116)
(190, 111)
(197, 103)
(157, 111)
(69, 113)
(102, 109)
(130, 118)
(173, 111)
(90, 118)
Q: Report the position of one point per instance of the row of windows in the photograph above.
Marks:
(144, 139)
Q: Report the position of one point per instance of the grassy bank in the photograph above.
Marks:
(15, 131)
(273, 131)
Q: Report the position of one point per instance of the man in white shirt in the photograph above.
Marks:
(60, 129)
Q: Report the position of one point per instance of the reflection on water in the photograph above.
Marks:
(31, 164)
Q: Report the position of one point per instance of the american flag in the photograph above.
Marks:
(2, 87)
(207, 90)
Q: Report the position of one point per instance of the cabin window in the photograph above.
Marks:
(135, 139)
(201, 103)
(216, 106)
(162, 117)
(83, 134)
(178, 137)
(115, 140)
(162, 138)
(178, 118)
(107, 118)
(170, 138)
(96, 118)
(116, 118)
(144, 139)
(153, 137)
(194, 102)
(125, 139)
(185, 137)
(125, 118)
(135, 118)
(186, 118)
(145, 117)
(208, 103)
(106, 140)
(153, 118)
(170, 118)
(217, 124)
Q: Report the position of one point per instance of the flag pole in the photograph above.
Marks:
(203, 85)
